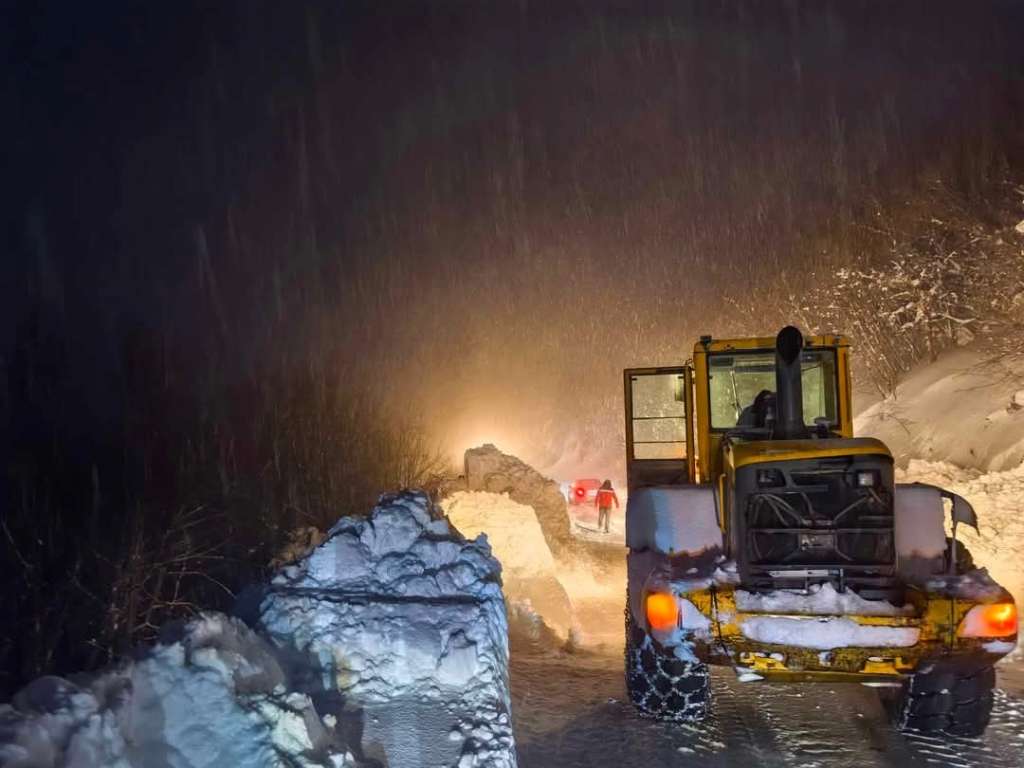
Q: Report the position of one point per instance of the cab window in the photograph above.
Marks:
(737, 378)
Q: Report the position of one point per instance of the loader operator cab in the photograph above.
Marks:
(678, 418)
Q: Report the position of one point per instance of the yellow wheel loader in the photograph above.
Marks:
(764, 536)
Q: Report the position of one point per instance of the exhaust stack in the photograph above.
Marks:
(789, 391)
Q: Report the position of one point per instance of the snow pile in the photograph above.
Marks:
(515, 536)
(826, 634)
(403, 618)
(215, 696)
(962, 409)
(392, 633)
(819, 599)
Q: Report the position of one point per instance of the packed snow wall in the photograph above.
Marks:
(488, 469)
(534, 594)
(402, 618)
(386, 644)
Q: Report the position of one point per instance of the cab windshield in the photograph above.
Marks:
(737, 378)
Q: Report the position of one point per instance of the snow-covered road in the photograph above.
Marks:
(571, 710)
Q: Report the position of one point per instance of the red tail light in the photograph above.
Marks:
(580, 492)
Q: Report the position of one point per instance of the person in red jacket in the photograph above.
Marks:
(603, 501)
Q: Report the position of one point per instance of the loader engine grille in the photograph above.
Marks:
(820, 520)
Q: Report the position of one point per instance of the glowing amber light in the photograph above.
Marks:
(1000, 619)
(662, 611)
(995, 620)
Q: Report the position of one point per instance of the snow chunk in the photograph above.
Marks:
(727, 572)
(691, 618)
(999, 646)
(826, 634)
(213, 697)
(819, 599)
(954, 410)
(745, 675)
(488, 469)
(398, 607)
(399, 551)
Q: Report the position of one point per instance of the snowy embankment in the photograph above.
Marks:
(387, 644)
(966, 408)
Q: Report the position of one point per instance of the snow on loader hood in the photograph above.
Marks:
(393, 629)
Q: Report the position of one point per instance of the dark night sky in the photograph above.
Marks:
(476, 212)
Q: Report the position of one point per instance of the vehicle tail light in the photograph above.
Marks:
(581, 492)
(662, 611)
(994, 620)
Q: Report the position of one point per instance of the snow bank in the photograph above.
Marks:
(214, 697)
(515, 536)
(819, 599)
(961, 408)
(395, 612)
(826, 634)
(392, 632)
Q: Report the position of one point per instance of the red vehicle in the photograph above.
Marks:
(583, 491)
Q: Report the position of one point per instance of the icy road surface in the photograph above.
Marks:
(571, 710)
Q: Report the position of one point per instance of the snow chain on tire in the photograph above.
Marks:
(957, 703)
(659, 684)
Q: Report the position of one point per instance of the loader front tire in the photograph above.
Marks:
(659, 684)
(946, 701)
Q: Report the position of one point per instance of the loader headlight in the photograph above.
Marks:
(662, 611)
(867, 478)
(994, 620)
